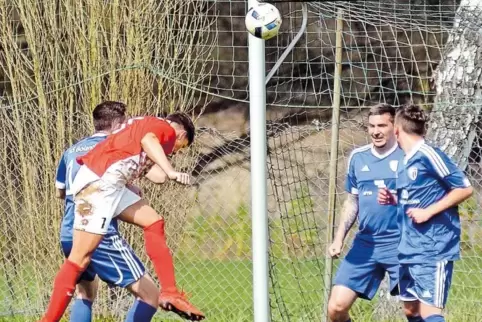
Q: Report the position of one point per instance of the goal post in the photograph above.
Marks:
(258, 151)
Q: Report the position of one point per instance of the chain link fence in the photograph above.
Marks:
(58, 60)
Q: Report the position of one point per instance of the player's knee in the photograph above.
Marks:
(82, 260)
(337, 309)
(411, 310)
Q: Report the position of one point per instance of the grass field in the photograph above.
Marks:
(223, 290)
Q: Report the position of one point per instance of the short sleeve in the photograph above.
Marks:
(60, 177)
(351, 183)
(443, 168)
(163, 131)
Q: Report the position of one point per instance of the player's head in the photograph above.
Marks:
(108, 116)
(380, 125)
(184, 128)
(410, 120)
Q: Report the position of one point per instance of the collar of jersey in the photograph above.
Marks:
(414, 150)
(384, 155)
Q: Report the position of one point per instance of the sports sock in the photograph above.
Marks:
(160, 255)
(434, 318)
(81, 311)
(417, 318)
(64, 286)
(349, 320)
(140, 312)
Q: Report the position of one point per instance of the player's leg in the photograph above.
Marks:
(86, 291)
(411, 304)
(341, 300)
(432, 284)
(94, 208)
(147, 299)
(412, 311)
(141, 214)
(358, 276)
(117, 264)
(66, 279)
(81, 309)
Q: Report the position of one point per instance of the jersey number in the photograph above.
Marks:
(103, 222)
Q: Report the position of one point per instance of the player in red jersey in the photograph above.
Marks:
(101, 193)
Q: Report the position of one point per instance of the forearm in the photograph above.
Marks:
(151, 146)
(349, 213)
(452, 199)
(156, 175)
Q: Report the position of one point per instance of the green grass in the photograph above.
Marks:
(223, 290)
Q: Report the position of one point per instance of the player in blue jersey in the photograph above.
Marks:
(429, 188)
(113, 261)
(374, 250)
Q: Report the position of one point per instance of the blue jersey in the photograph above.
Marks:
(367, 172)
(66, 171)
(425, 176)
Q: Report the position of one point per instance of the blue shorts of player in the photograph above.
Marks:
(363, 269)
(428, 283)
(113, 261)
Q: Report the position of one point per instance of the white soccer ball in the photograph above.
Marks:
(263, 21)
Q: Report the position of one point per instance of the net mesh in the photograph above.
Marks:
(59, 59)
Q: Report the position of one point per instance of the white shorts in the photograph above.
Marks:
(98, 202)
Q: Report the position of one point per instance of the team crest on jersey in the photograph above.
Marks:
(404, 194)
(412, 173)
(394, 165)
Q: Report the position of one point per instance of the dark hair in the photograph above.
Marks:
(107, 113)
(184, 120)
(381, 109)
(412, 119)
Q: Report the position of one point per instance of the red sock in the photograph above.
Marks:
(160, 255)
(64, 286)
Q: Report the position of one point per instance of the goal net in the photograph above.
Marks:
(59, 59)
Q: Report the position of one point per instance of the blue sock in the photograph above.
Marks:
(434, 318)
(140, 312)
(81, 311)
(349, 320)
(417, 318)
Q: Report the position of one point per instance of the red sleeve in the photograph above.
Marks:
(163, 131)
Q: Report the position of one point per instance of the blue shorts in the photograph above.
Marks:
(428, 283)
(113, 261)
(363, 272)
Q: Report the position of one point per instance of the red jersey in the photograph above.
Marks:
(122, 152)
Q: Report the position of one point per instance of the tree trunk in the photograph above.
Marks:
(457, 80)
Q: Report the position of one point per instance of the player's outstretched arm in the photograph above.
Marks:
(151, 145)
(349, 213)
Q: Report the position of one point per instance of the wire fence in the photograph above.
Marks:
(60, 59)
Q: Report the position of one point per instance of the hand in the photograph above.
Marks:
(335, 249)
(385, 197)
(419, 215)
(135, 189)
(180, 177)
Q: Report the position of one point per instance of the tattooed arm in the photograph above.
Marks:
(349, 213)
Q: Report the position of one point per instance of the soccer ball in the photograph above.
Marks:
(263, 21)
